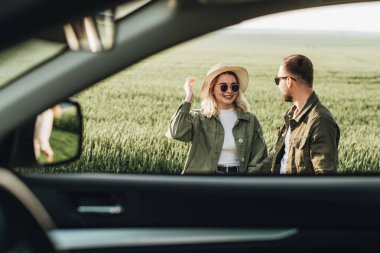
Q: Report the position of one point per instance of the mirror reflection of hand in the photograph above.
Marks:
(48, 152)
(188, 86)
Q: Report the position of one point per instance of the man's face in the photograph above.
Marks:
(282, 85)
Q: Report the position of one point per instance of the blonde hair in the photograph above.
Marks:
(209, 106)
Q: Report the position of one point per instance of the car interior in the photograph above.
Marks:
(89, 41)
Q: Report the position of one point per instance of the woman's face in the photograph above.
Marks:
(224, 100)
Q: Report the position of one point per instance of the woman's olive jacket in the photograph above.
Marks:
(207, 135)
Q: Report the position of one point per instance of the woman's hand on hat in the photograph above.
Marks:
(188, 86)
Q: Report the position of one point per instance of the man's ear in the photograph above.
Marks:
(289, 82)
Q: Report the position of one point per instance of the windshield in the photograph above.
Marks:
(24, 56)
(126, 129)
(126, 117)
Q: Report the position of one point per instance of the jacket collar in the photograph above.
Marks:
(242, 115)
(305, 109)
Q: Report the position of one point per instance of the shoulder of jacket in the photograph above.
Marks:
(321, 112)
(252, 115)
(196, 110)
(251, 118)
(197, 113)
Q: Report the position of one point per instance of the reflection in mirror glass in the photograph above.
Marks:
(97, 33)
(57, 134)
(94, 33)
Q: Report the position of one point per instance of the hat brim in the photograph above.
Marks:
(240, 72)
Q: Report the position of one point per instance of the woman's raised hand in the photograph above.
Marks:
(188, 86)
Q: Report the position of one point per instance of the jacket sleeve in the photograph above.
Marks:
(259, 162)
(181, 124)
(324, 146)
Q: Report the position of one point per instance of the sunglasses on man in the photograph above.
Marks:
(278, 78)
(234, 87)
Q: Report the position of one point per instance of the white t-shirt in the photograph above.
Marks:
(229, 155)
(284, 159)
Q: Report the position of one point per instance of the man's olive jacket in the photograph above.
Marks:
(313, 142)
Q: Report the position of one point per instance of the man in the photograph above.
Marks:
(308, 140)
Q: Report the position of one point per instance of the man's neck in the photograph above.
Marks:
(300, 101)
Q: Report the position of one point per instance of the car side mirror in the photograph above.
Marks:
(58, 134)
(53, 137)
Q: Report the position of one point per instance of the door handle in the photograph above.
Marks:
(109, 210)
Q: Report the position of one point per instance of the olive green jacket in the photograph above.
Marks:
(207, 135)
(313, 142)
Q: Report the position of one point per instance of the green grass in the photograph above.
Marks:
(64, 144)
(126, 116)
(25, 56)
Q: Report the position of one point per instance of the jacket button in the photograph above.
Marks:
(240, 140)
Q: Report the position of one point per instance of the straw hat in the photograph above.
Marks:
(241, 73)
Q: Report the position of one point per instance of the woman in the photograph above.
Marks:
(225, 137)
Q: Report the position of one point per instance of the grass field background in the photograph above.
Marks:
(126, 115)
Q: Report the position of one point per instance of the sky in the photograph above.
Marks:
(364, 17)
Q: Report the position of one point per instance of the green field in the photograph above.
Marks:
(126, 116)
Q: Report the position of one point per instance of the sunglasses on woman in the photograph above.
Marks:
(234, 87)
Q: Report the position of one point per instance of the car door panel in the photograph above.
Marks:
(317, 212)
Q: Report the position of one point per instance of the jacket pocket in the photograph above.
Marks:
(302, 154)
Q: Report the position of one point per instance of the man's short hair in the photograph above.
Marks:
(301, 66)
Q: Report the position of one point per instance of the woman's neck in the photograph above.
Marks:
(225, 107)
